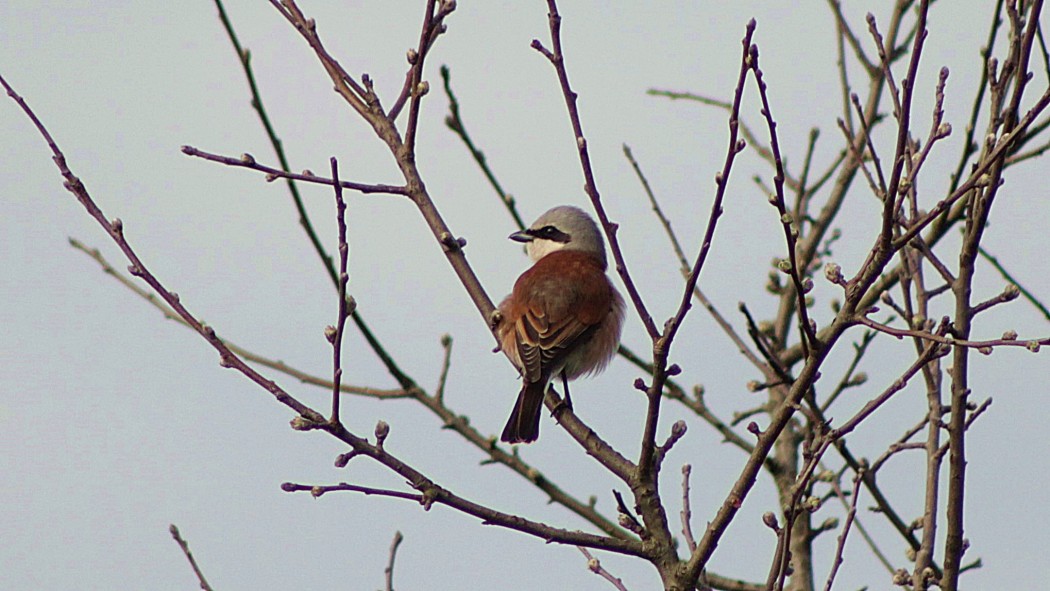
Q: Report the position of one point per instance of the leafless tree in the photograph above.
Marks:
(913, 286)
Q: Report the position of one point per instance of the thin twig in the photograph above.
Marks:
(152, 299)
(938, 264)
(802, 193)
(244, 57)
(765, 439)
(360, 98)
(840, 548)
(868, 539)
(876, 162)
(969, 146)
(719, 319)
(1030, 344)
(1028, 295)
(454, 121)
(791, 227)
(677, 246)
(446, 362)
(848, 380)
(304, 220)
(595, 566)
(318, 490)
(764, 152)
(415, 87)
(662, 344)
(449, 417)
(846, 31)
(557, 59)
(1018, 157)
(978, 176)
(389, 570)
(272, 174)
(932, 351)
(336, 336)
(687, 513)
(858, 156)
(900, 445)
(174, 531)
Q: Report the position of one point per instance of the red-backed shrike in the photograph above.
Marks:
(563, 317)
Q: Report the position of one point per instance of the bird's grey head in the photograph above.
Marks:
(562, 227)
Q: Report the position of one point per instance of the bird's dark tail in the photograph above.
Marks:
(524, 423)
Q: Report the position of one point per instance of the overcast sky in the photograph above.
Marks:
(115, 422)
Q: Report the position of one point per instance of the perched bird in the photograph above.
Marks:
(563, 317)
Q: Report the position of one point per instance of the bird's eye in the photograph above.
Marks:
(550, 233)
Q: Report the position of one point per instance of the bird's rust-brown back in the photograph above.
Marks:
(553, 304)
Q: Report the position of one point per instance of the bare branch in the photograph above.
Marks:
(247, 355)
(687, 514)
(791, 227)
(439, 392)
(684, 266)
(1028, 295)
(557, 59)
(174, 531)
(841, 546)
(763, 150)
(454, 121)
(308, 419)
(595, 566)
(1030, 344)
(875, 550)
(272, 174)
(335, 334)
(449, 418)
(847, 33)
(389, 570)
(662, 344)
(244, 57)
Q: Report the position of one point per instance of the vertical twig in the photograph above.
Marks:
(662, 344)
(446, 363)
(978, 209)
(389, 570)
(870, 541)
(791, 226)
(416, 87)
(244, 56)
(336, 335)
(883, 248)
(779, 417)
(687, 513)
(557, 59)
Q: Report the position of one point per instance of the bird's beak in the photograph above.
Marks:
(521, 236)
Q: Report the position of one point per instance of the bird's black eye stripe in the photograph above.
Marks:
(551, 233)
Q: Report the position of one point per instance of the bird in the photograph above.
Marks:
(563, 317)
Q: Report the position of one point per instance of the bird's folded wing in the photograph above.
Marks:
(542, 344)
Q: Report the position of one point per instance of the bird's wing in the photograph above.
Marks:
(543, 342)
